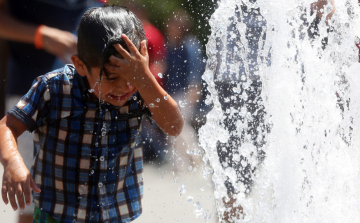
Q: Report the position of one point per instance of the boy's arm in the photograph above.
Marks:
(165, 111)
(17, 179)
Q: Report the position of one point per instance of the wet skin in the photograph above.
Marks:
(114, 88)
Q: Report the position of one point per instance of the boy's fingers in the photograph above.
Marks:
(122, 51)
(18, 189)
(20, 196)
(115, 61)
(143, 48)
(11, 192)
(34, 186)
(4, 194)
(27, 192)
(20, 199)
(132, 48)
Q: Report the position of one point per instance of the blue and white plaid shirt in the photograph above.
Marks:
(88, 158)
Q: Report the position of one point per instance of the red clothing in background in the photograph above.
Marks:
(156, 50)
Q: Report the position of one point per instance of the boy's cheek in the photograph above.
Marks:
(131, 86)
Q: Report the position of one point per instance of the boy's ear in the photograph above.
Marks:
(79, 65)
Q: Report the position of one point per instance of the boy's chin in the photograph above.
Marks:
(117, 103)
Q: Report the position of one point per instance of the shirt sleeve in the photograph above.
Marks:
(33, 106)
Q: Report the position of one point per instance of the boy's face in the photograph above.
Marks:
(114, 88)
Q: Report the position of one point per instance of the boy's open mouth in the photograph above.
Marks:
(118, 97)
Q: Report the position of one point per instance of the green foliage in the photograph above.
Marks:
(160, 10)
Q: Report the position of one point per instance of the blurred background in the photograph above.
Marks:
(177, 31)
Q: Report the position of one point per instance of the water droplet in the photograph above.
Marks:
(134, 97)
(182, 189)
(190, 199)
(151, 105)
(160, 75)
(182, 104)
(165, 97)
(158, 100)
(236, 157)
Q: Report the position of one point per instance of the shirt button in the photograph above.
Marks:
(100, 184)
(102, 158)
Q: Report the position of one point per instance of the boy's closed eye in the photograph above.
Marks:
(111, 77)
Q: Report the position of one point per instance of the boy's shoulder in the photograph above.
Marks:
(60, 81)
(65, 73)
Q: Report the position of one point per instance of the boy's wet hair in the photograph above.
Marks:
(100, 28)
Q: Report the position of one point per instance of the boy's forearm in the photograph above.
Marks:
(165, 111)
(8, 145)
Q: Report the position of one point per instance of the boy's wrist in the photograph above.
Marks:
(10, 158)
(38, 38)
(147, 81)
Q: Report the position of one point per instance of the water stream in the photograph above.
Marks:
(300, 162)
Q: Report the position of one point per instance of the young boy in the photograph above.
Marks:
(86, 121)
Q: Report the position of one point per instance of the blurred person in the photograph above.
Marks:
(183, 81)
(240, 98)
(39, 32)
(155, 143)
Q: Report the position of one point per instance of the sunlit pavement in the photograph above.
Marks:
(162, 200)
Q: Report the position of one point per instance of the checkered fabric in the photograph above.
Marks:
(87, 155)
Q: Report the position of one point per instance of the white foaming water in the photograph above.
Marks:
(311, 97)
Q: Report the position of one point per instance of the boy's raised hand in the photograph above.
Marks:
(17, 181)
(134, 66)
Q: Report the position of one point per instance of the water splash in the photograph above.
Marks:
(310, 93)
(93, 88)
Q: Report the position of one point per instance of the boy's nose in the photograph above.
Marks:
(124, 85)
